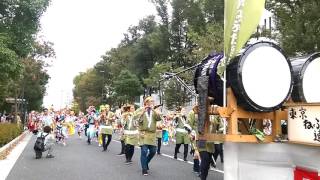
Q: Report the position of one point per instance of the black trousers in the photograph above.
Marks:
(123, 147)
(218, 151)
(104, 145)
(129, 152)
(159, 145)
(196, 165)
(85, 131)
(185, 150)
(206, 159)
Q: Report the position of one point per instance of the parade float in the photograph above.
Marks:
(260, 83)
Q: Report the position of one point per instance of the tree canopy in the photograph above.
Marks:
(151, 48)
(297, 25)
(22, 53)
(185, 35)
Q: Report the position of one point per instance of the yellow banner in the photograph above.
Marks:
(241, 20)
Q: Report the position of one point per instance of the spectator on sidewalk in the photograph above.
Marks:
(48, 142)
(3, 118)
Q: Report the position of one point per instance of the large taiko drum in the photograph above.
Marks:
(208, 67)
(306, 75)
(261, 77)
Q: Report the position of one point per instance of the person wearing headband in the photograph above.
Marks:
(182, 136)
(147, 118)
(193, 121)
(131, 132)
(107, 118)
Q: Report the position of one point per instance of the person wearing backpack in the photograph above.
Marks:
(44, 142)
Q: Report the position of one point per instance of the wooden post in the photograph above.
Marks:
(276, 123)
(233, 120)
(233, 113)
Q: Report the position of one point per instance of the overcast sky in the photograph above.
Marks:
(82, 31)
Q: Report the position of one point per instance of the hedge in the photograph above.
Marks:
(8, 132)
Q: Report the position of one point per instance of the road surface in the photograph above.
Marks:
(77, 160)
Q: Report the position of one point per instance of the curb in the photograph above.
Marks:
(5, 150)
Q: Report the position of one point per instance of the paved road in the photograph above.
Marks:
(78, 160)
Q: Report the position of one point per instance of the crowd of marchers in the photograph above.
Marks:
(145, 126)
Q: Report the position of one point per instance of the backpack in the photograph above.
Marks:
(39, 144)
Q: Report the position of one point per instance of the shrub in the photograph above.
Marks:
(8, 132)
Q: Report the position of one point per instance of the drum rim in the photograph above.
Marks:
(246, 52)
(310, 58)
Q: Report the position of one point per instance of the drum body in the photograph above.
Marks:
(261, 77)
(306, 76)
(208, 68)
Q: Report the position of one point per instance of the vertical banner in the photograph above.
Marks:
(241, 18)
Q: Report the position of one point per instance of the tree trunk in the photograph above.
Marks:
(15, 106)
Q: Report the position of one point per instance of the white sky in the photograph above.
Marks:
(82, 31)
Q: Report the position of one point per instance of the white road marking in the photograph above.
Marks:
(171, 157)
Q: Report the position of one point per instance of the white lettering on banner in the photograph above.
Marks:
(304, 124)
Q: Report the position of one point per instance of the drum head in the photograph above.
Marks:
(310, 82)
(265, 73)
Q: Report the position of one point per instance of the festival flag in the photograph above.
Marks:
(241, 18)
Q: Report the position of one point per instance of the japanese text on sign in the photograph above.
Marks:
(304, 124)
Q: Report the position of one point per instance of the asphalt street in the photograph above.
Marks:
(77, 160)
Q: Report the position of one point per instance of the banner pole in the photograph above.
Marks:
(225, 95)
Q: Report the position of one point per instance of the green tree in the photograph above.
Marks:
(21, 21)
(127, 86)
(75, 107)
(10, 67)
(32, 86)
(187, 16)
(297, 24)
(196, 30)
(88, 89)
(213, 10)
(175, 95)
(155, 74)
(211, 40)
(19, 24)
(149, 49)
(164, 26)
